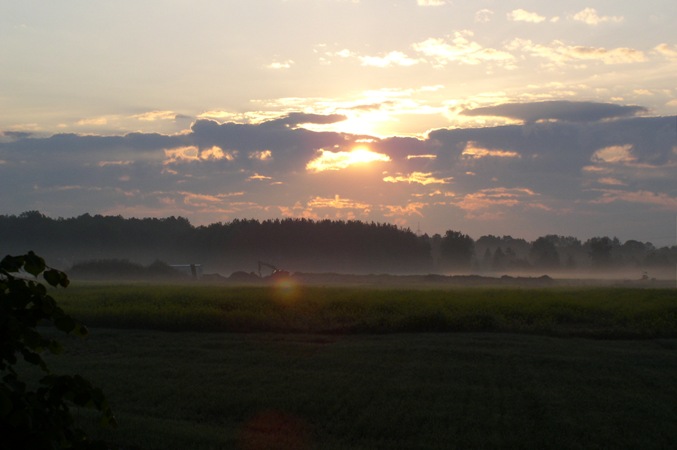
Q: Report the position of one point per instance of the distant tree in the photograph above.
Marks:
(662, 257)
(456, 250)
(633, 253)
(486, 259)
(498, 262)
(544, 254)
(600, 251)
(41, 418)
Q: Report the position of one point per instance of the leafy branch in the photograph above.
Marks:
(39, 418)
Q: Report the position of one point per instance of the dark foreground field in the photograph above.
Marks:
(533, 369)
(410, 391)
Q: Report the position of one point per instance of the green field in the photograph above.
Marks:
(590, 312)
(212, 367)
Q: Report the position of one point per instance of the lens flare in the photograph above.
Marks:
(285, 290)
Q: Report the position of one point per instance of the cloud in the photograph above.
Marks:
(277, 65)
(181, 154)
(484, 15)
(416, 177)
(431, 2)
(296, 119)
(668, 51)
(410, 209)
(614, 154)
(460, 49)
(152, 116)
(611, 181)
(472, 150)
(557, 110)
(16, 134)
(591, 17)
(264, 155)
(328, 160)
(521, 15)
(495, 203)
(217, 114)
(566, 156)
(660, 200)
(93, 121)
(560, 53)
(258, 176)
(393, 58)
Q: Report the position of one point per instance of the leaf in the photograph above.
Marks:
(52, 277)
(55, 347)
(65, 324)
(56, 278)
(11, 263)
(34, 264)
(34, 358)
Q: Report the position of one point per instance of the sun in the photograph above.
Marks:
(328, 160)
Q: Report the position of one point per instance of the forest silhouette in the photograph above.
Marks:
(304, 245)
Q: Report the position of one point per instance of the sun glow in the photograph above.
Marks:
(328, 160)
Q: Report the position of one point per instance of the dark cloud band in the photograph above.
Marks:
(558, 110)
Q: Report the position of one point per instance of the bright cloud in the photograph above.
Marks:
(192, 153)
(560, 53)
(484, 16)
(617, 154)
(412, 208)
(416, 177)
(431, 2)
(277, 65)
(460, 49)
(428, 156)
(257, 176)
(217, 114)
(264, 155)
(591, 17)
(215, 152)
(94, 121)
(473, 151)
(393, 58)
(668, 51)
(182, 154)
(328, 160)
(152, 116)
(521, 15)
(337, 203)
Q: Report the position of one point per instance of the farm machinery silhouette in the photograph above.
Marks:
(266, 272)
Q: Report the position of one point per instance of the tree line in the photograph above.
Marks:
(305, 245)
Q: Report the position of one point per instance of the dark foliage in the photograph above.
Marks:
(292, 244)
(456, 250)
(39, 418)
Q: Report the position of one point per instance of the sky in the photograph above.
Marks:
(521, 118)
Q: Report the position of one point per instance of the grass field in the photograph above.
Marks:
(206, 367)
(590, 312)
